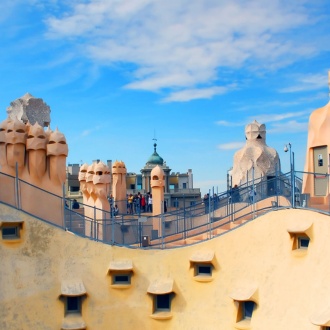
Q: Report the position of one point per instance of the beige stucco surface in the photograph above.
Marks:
(318, 136)
(255, 259)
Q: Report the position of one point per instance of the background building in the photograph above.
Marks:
(178, 190)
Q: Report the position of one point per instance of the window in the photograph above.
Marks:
(11, 231)
(161, 292)
(72, 294)
(303, 242)
(162, 302)
(300, 241)
(247, 307)
(203, 270)
(245, 311)
(73, 304)
(202, 264)
(74, 188)
(118, 278)
(121, 272)
(245, 299)
(301, 235)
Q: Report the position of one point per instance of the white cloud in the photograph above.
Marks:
(291, 126)
(90, 131)
(307, 83)
(229, 123)
(182, 44)
(276, 123)
(272, 117)
(195, 93)
(231, 145)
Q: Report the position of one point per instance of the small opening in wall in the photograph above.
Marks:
(162, 294)
(203, 270)
(300, 242)
(73, 304)
(162, 302)
(248, 307)
(303, 242)
(11, 231)
(121, 278)
(245, 310)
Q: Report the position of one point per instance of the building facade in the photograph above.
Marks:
(178, 187)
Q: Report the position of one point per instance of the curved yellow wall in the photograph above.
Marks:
(290, 288)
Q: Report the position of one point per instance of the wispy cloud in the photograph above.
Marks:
(195, 93)
(276, 123)
(307, 83)
(227, 123)
(291, 126)
(90, 131)
(231, 145)
(274, 117)
(172, 46)
(256, 107)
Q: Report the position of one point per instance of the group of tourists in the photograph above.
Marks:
(73, 204)
(212, 201)
(139, 203)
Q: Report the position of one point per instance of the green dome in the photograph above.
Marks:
(155, 158)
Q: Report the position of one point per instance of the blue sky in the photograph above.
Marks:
(116, 74)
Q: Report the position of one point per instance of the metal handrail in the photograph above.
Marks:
(204, 220)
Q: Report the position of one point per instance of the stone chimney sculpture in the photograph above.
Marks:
(119, 185)
(95, 181)
(318, 155)
(30, 109)
(255, 158)
(38, 158)
(157, 184)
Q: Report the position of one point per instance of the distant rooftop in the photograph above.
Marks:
(155, 159)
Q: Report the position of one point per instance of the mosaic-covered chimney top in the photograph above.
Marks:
(30, 109)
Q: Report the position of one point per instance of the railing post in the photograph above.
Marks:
(140, 232)
(209, 215)
(17, 201)
(95, 227)
(277, 185)
(63, 208)
(329, 189)
(293, 183)
(231, 207)
(177, 215)
(162, 222)
(253, 195)
(112, 230)
(184, 218)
